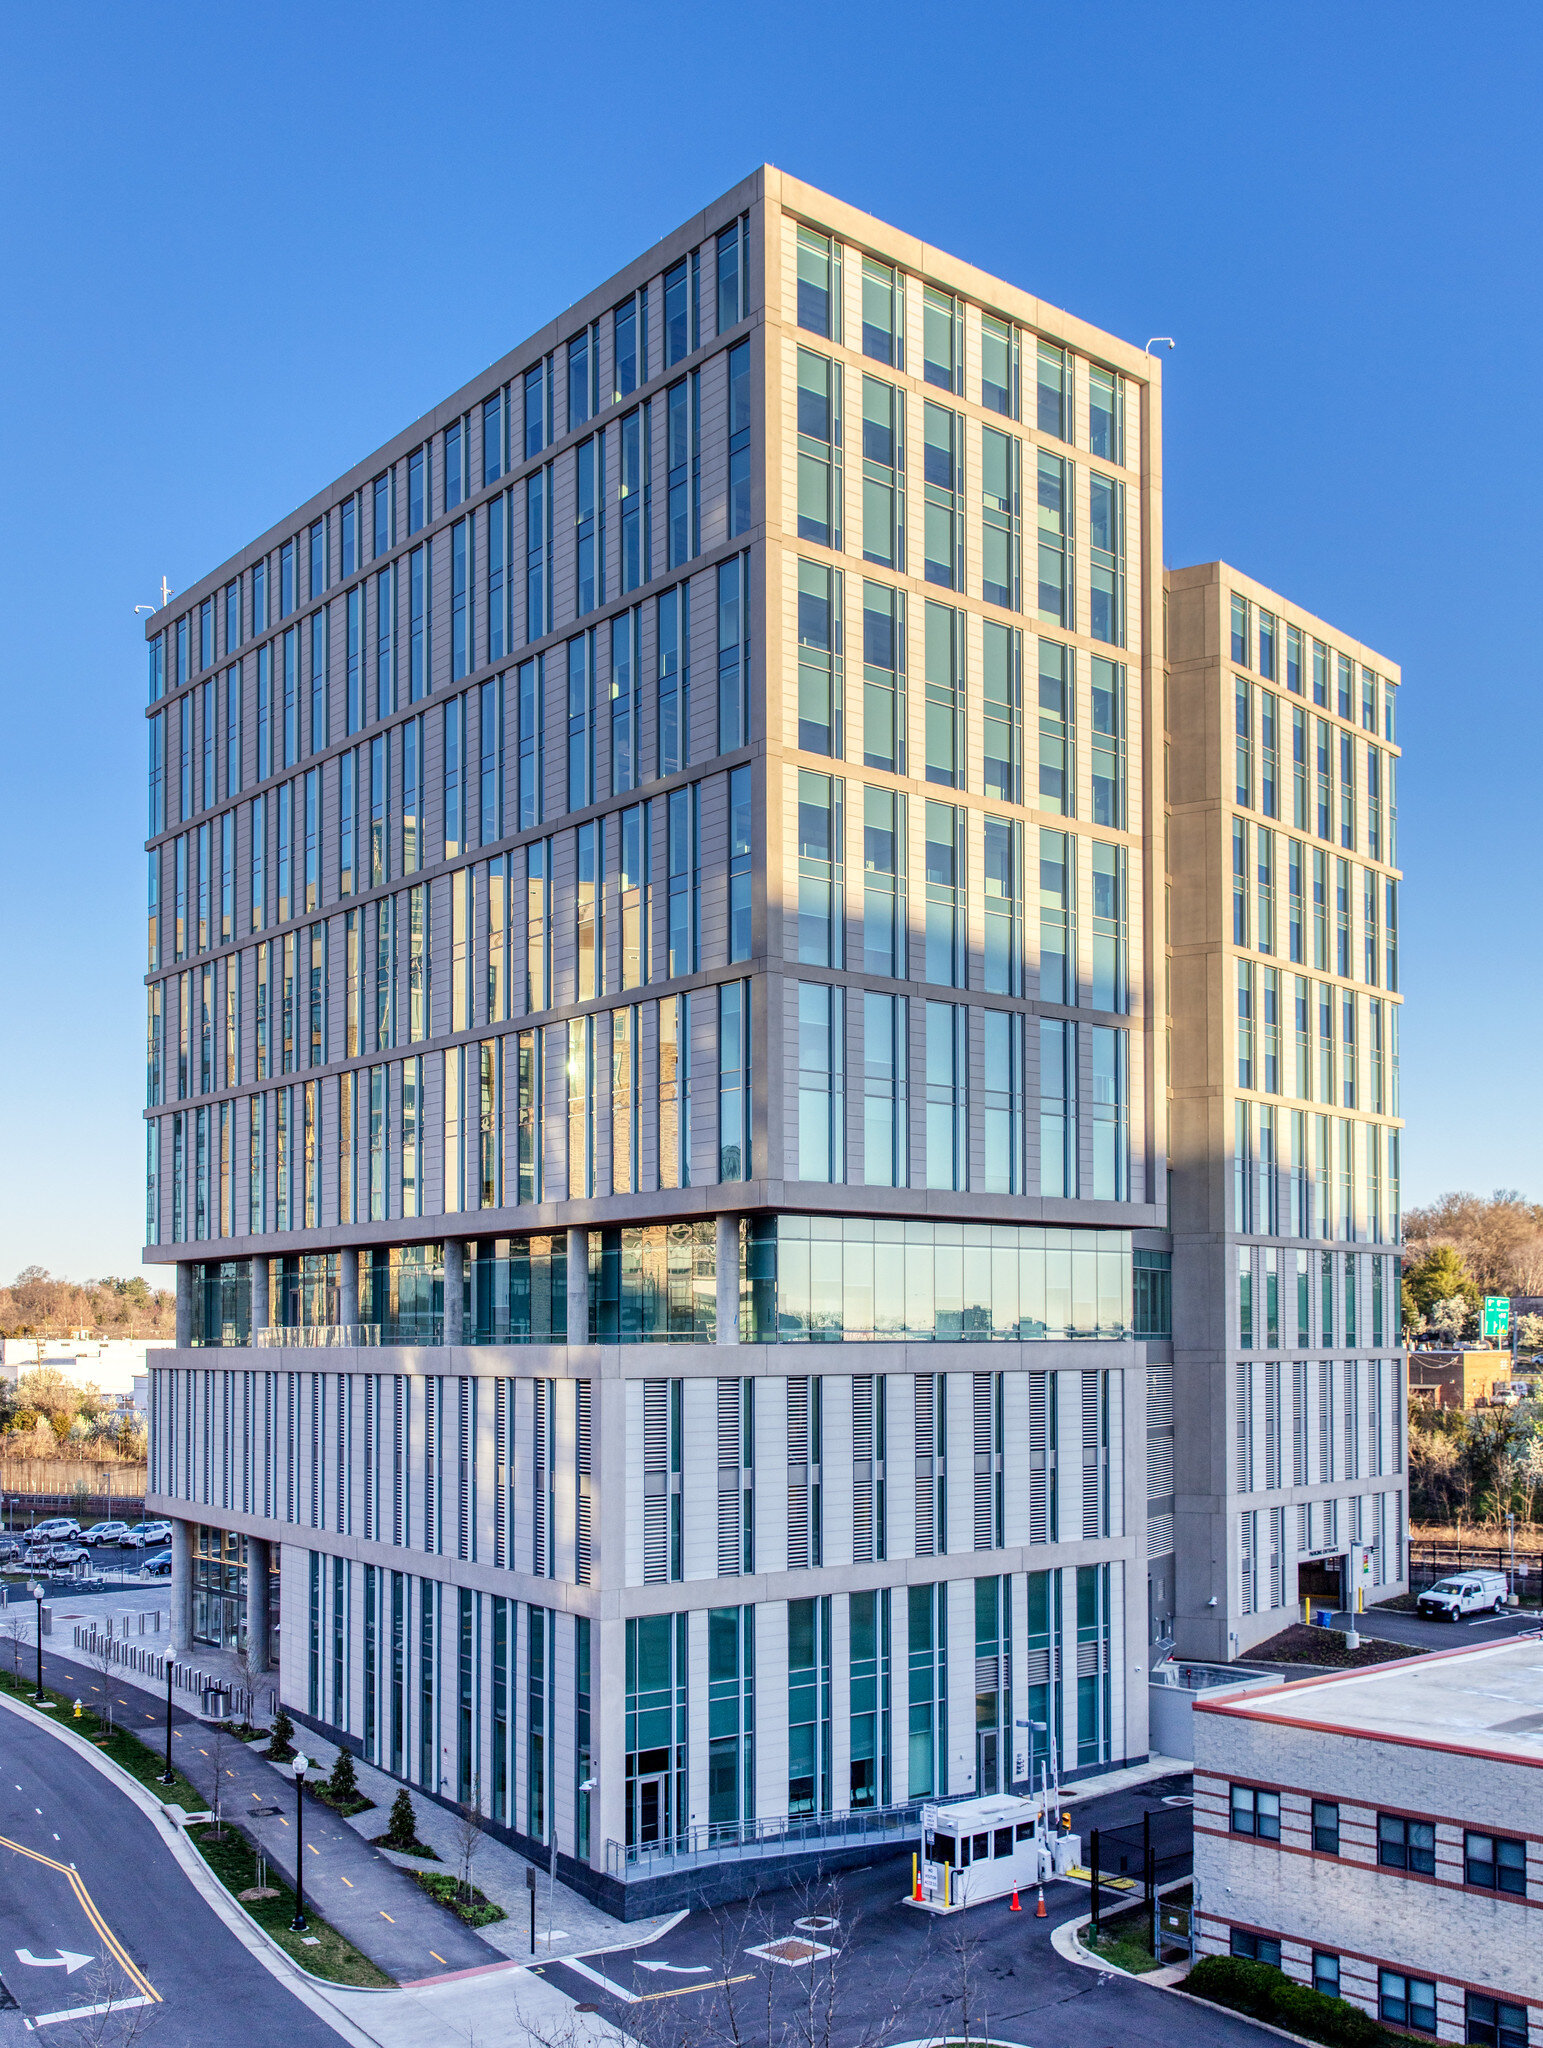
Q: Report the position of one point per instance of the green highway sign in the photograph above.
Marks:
(1497, 1315)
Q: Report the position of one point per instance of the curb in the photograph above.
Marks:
(1063, 1939)
(300, 1983)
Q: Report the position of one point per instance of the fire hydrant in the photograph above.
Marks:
(79, 1710)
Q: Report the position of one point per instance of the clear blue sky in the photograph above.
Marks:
(243, 247)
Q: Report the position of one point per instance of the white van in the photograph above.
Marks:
(1463, 1593)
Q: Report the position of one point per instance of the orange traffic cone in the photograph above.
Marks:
(916, 1892)
(1039, 1911)
(1015, 1907)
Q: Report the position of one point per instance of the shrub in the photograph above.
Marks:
(343, 1784)
(402, 1827)
(1265, 1993)
(281, 1744)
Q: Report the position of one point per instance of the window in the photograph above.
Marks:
(628, 366)
(884, 1090)
(944, 959)
(1406, 1844)
(538, 541)
(1001, 715)
(680, 310)
(821, 1082)
(734, 1160)
(1058, 1175)
(1106, 414)
(635, 849)
(684, 879)
(1003, 959)
(683, 422)
(636, 491)
(1325, 1811)
(819, 284)
(1255, 1948)
(884, 947)
(741, 853)
(1106, 570)
(1053, 410)
(1496, 1863)
(1110, 972)
(739, 438)
(532, 726)
(820, 870)
(819, 401)
(1256, 1812)
(673, 634)
(580, 396)
(538, 387)
(999, 518)
(819, 659)
(943, 517)
(1057, 918)
(493, 454)
(581, 721)
(998, 366)
(1108, 763)
(883, 474)
(883, 678)
(626, 653)
(1003, 1102)
(733, 654)
(589, 910)
(1346, 681)
(883, 314)
(944, 642)
(946, 1123)
(1493, 2023)
(417, 490)
(733, 275)
(1055, 547)
(1241, 651)
(1325, 1974)
(1111, 1136)
(1057, 724)
(455, 467)
(1406, 2001)
(589, 525)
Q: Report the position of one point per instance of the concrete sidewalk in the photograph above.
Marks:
(365, 1897)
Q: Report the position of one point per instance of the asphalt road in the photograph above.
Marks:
(83, 1873)
(899, 1976)
(1394, 1625)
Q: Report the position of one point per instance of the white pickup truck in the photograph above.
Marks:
(1463, 1593)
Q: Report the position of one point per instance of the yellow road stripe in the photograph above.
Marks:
(89, 1908)
(716, 1984)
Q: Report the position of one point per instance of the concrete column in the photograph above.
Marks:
(257, 1563)
(728, 1279)
(455, 1268)
(578, 1286)
(259, 1294)
(348, 1285)
(186, 1280)
(181, 1586)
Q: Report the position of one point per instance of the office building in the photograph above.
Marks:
(655, 862)
(1282, 915)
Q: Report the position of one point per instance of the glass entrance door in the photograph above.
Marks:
(653, 1809)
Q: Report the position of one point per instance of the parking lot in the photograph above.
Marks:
(60, 1559)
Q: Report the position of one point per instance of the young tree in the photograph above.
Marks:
(343, 1784)
(220, 1745)
(468, 1840)
(281, 1741)
(1438, 1275)
(13, 1630)
(402, 1827)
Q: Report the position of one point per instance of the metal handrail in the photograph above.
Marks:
(771, 1836)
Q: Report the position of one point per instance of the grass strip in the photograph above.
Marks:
(234, 1862)
(142, 1763)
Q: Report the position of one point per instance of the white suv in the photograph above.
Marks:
(1463, 1593)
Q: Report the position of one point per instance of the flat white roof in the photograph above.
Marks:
(994, 1811)
(1487, 1700)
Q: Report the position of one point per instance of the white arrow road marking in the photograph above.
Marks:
(66, 1960)
(679, 1969)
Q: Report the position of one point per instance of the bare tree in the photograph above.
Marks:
(468, 1839)
(97, 1651)
(13, 1630)
(219, 1755)
(963, 1948)
(249, 1675)
(114, 2011)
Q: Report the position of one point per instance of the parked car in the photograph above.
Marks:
(68, 1553)
(147, 1533)
(54, 1530)
(157, 1567)
(105, 1532)
(1463, 1593)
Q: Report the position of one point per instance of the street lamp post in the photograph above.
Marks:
(35, 1588)
(302, 1763)
(167, 1774)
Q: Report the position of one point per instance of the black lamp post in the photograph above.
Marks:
(35, 1588)
(302, 1763)
(168, 1774)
